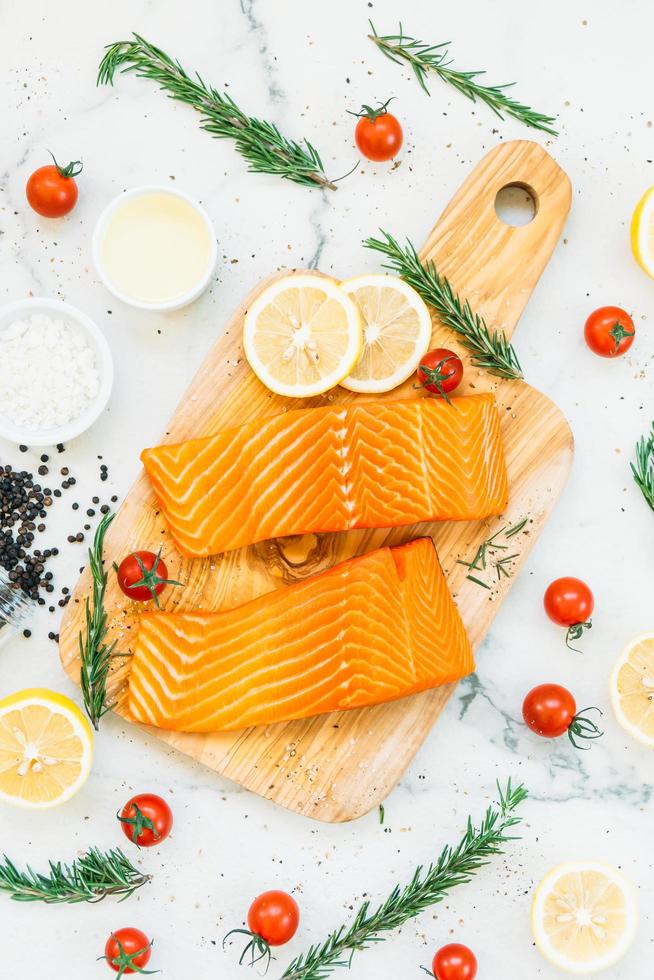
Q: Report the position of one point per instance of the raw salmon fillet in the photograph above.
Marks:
(372, 629)
(377, 464)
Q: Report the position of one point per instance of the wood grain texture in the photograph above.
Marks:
(337, 767)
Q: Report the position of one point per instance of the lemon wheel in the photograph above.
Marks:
(632, 688)
(396, 332)
(302, 335)
(46, 748)
(584, 916)
(642, 232)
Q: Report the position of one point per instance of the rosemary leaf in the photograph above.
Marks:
(490, 349)
(643, 468)
(258, 141)
(455, 866)
(89, 878)
(424, 58)
(95, 654)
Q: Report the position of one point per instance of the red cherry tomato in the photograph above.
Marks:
(378, 134)
(550, 710)
(569, 602)
(609, 331)
(143, 576)
(454, 962)
(274, 916)
(146, 820)
(440, 371)
(273, 919)
(127, 951)
(52, 191)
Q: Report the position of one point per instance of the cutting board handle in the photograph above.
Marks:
(500, 264)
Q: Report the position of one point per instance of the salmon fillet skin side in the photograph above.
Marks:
(313, 470)
(375, 628)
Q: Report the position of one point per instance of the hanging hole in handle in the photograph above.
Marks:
(516, 204)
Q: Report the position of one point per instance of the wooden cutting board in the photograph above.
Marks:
(339, 766)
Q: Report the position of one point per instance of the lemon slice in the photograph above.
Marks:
(396, 332)
(302, 335)
(583, 916)
(642, 232)
(632, 688)
(46, 748)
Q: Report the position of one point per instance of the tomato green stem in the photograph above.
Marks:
(371, 113)
(256, 945)
(71, 169)
(584, 728)
(575, 632)
(619, 333)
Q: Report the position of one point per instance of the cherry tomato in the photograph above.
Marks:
(127, 951)
(52, 190)
(454, 962)
(440, 371)
(146, 820)
(550, 710)
(378, 133)
(569, 602)
(273, 919)
(609, 331)
(274, 916)
(143, 576)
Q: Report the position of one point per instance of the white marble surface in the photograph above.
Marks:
(304, 65)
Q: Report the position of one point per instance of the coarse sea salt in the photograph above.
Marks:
(48, 372)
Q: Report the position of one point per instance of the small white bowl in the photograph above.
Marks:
(64, 311)
(177, 302)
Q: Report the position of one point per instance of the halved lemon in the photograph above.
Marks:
(46, 748)
(584, 916)
(642, 232)
(396, 332)
(302, 335)
(632, 688)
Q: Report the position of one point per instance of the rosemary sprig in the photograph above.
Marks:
(486, 554)
(258, 141)
(88, 879)
(424, 58)
(643, 468)
(490, 349)
(95, 654)
(455, 866)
